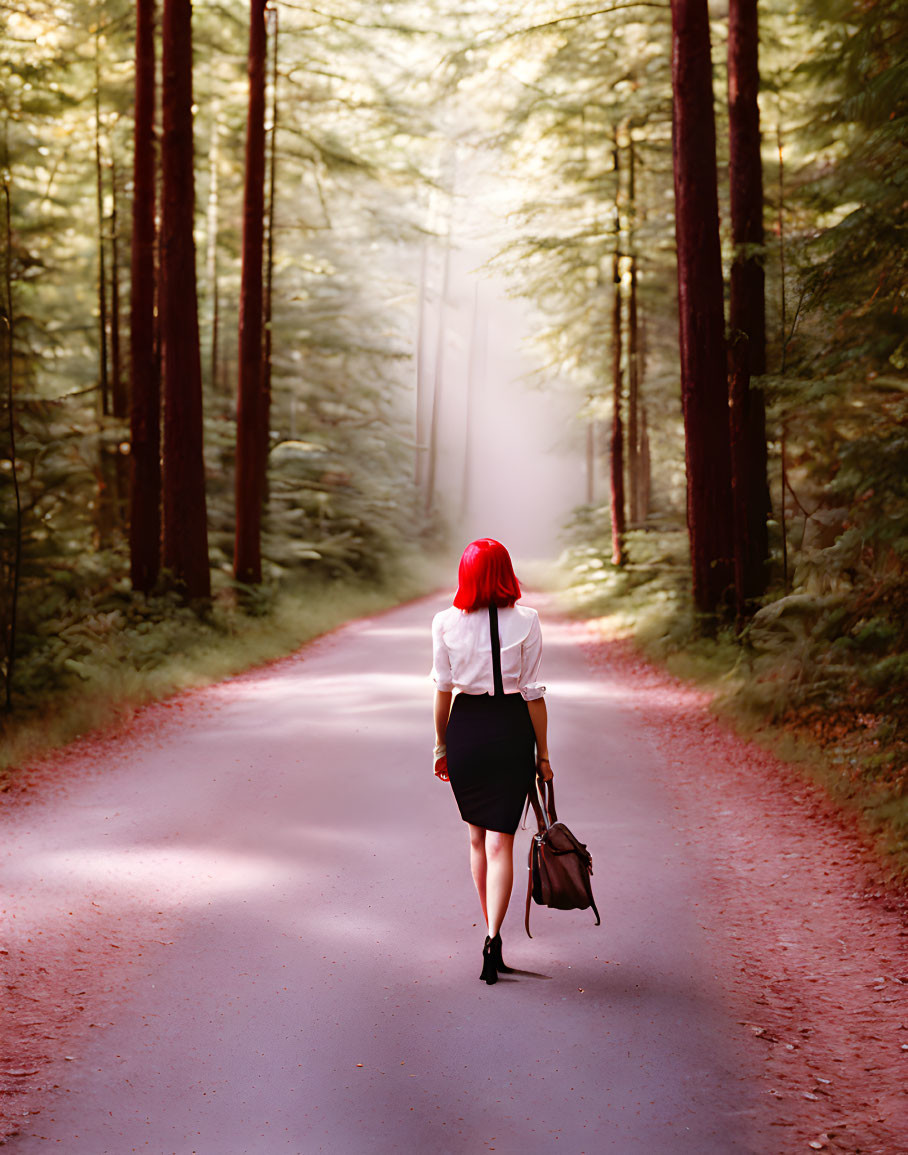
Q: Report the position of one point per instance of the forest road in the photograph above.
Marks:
(287, 931)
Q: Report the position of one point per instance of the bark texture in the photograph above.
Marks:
(704, 386)
(250, 471)
(616, 474)
(103, 379)
(9, 598)
(120, 396)
(211, 257)
(636, 510)
(185, 522)
(145, 391)
(747, 308)
(271, 23)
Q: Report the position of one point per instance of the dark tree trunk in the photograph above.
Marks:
(145, 392)
(15, 564)
(633, 333)
(185, 521)
(638, 511)
(211, 260)
(747, 320)
(704, 381)
(250, 466)
(616, 457)
(120, 399)
(103, 379)
(118, 379)
(739, 387)
(269, 261)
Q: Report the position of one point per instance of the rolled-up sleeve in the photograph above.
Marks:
(530, 658)
(441, 659)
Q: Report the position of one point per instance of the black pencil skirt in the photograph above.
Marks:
(491, 758)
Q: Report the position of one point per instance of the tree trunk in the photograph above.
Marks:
(269, 261)
(420, 367)
(747, 320)
(638, 510)
(118, 380)
(15, 566)
(645, 463)
(103, 379)
(120, 400)
(739, 387)
(185, 521)
(783, 344)
(476, 365)
(438, 382)
(704, 382)
(633, 368)
(211, 239)
(590, 457)
(616, 477)
(145, 392)
(250, 471)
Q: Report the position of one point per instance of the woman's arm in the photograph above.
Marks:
(442, 713)
(443, 699)
(540, 719)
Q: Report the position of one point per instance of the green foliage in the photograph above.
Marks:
(855, 269)
(584, 79)
(350, 119)
(92, 659)
(827, 662)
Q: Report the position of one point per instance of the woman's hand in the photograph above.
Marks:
(441, 768)
(543, 769)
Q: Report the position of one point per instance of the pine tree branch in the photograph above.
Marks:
(584, 16)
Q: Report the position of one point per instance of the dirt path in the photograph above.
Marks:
(814, 946)
(246, 925)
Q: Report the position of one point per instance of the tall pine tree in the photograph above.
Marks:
(747, 306)
(704, 387)
(251, 409)
(145, 392)
(185, 520)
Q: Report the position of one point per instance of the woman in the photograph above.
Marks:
(489, 744)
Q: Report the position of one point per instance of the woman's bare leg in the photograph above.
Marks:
(499, 857)
(478, 865)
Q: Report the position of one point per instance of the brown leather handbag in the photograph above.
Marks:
(559, 864)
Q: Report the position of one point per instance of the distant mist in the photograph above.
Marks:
(525, 450)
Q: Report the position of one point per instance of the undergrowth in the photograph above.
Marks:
(104, 655)
(820, 675)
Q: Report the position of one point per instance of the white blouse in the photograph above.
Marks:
(462, 651)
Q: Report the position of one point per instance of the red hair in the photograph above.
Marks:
(486, 576)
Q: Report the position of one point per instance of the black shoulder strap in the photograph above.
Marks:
(496, 650)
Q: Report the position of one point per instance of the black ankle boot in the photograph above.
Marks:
(489, 969)
(495, 950)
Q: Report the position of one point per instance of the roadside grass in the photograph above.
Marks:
(784, 687)
(124, 651)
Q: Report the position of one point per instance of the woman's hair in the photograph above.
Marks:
(486, 576)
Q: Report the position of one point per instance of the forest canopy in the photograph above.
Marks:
(749, 466)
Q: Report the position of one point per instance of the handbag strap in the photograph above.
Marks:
(496, 651)
(544, 807)
(548, 799)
